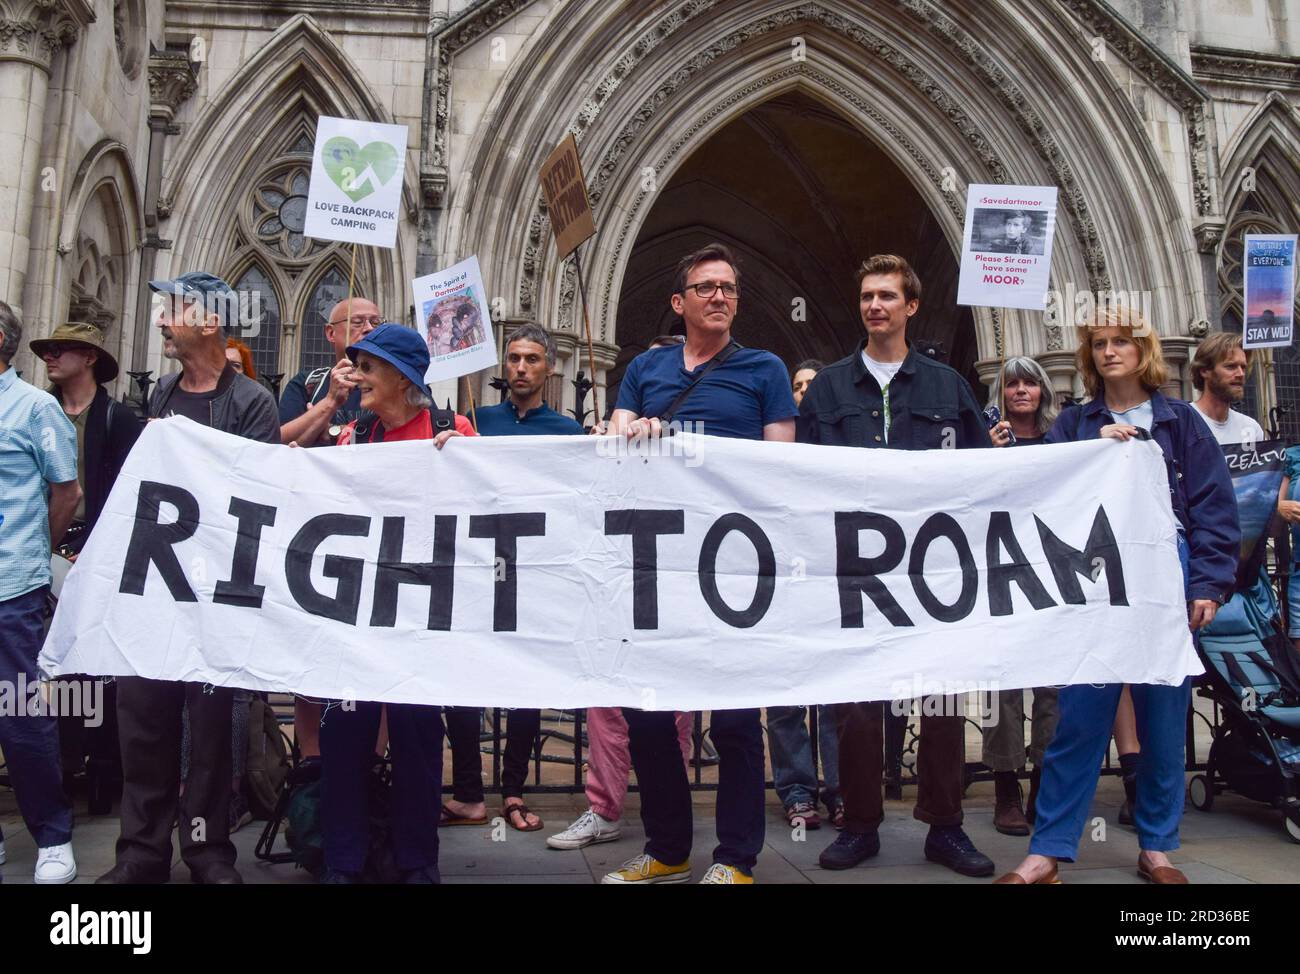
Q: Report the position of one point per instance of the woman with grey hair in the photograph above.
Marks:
(390, 365)
(1030, 407)
(1030, 411)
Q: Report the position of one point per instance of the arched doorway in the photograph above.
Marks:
(948, 97)
(801, 196)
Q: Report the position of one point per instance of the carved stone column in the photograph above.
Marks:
(1178, 351)
(173, 79)
(1060, 369)
(32, 33)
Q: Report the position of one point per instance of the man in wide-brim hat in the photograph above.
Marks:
(80, 341)
(79, 366)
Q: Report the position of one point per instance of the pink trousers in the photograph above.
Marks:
(609, 762)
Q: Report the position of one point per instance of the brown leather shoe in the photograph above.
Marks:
(1009, 819)
(1008, 816)
(1161, 875)
(1015, 879)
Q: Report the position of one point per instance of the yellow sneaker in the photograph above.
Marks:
(720, 875)
(645, 869)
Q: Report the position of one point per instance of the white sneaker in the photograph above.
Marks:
(2, 852)
(55, 865)
(589, 829)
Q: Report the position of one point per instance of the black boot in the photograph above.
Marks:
(1031, 804)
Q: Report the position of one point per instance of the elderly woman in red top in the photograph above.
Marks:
(390, 366)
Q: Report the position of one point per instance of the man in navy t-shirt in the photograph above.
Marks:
(529, 362)
(746, 396)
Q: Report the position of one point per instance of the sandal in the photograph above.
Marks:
(509, 812)
(449, 818)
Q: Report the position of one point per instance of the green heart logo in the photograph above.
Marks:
(357, 171)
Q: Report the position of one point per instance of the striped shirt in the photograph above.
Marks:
(38, 446)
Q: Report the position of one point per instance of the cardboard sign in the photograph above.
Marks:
(454, 318)
(1007, 252)
(356, 182)
(565, 189)
(1268, 290)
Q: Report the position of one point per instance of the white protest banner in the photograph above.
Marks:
(1268, 288)
(356, 181)
(1006, 255)
(457, 324)
(564, 571)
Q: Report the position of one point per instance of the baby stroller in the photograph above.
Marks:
(1252, 674)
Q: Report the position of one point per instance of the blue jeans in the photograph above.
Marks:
(1081, 742)
(666, 792)
(31, 742)
(793, 770)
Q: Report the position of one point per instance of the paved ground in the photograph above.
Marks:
(1238, 842)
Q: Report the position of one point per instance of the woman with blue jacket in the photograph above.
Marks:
(1122, 367)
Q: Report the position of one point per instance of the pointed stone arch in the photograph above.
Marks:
(952, 91)
(100, 230)
(1262, 179)
(299, 74)
(1268, 144)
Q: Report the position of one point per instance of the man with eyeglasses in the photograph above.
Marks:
(318, 403)
(742, 393)
(315, 407)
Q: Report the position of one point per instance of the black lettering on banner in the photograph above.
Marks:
(645, 528)
(240, 588)
(857, 575)
(1002, 573)
(938, 526)
(439, 575)
(152, 541)
(1069, 562)
(763, 591)
(342, 607)
(507, 529)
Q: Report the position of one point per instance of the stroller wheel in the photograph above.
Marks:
(1292, 827)
(1201, 793)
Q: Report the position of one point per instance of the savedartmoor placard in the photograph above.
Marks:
(572, 571)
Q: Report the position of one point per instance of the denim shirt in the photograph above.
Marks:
(1199, 485)
(38, 447)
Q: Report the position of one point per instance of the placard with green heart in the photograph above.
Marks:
(358, 171)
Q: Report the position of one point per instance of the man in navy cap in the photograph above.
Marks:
(195, 311)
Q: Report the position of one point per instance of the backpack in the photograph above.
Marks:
(302, 830)
(370, 430)
(303, 823)
(268, 760)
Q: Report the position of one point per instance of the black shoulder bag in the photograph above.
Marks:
(668, 414)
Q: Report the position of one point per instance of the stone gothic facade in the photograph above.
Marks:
(143, 138)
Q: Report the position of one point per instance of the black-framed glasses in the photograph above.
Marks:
(374, 321)
(707, 289)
